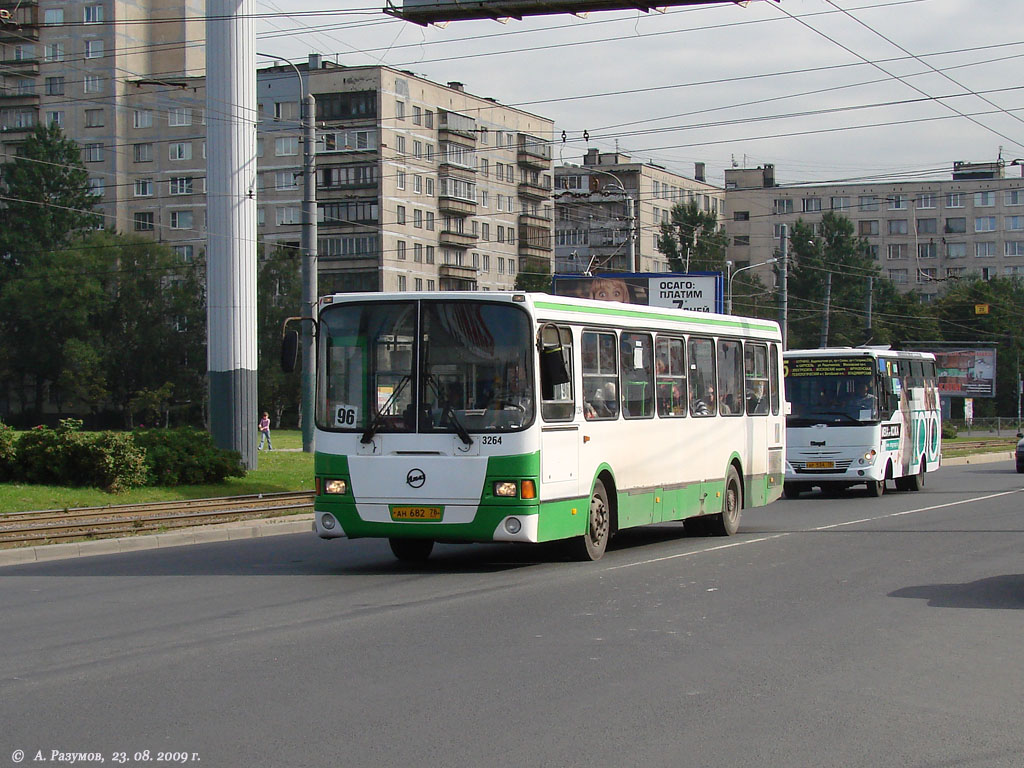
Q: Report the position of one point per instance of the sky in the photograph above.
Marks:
(827, 90)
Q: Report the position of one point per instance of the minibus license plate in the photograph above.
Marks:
(416, 513)
(821, 465)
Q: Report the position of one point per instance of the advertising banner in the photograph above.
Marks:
(696, 291)
(966, 372)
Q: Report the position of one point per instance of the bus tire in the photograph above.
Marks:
(411, 550)
(876, 488)
(592, 544)
(793, 490)
(727, 522)
(915, 482)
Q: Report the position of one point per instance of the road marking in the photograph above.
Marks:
(811, 530)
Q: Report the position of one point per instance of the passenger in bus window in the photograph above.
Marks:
(757, 399)
(704, 406)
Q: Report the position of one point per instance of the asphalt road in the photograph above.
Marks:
(829, 632)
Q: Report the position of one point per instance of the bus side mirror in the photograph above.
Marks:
(289, 350)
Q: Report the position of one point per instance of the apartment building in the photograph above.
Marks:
(82, 64)
(609, 212)
(922, 234)
(420, 186)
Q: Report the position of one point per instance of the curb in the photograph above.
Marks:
(206, 534)
(979, 458)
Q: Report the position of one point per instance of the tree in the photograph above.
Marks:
(834, 251)
(536, 276)
(692, 240)
(47, 199)
(279, 296)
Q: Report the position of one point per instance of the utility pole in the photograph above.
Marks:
(824, 320)
(867, 329)
(784, 282)
(309, 261)
(632, 255)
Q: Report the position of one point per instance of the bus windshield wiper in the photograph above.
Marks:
(449, 413)
(378, 419)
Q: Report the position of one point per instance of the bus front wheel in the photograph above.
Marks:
(727, 522)
(411, 550)
(876, 487)
(592, 544)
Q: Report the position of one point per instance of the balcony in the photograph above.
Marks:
(534, 190)
(456, 205)
(452, 124)
(20, 67)
(454, 272)
(534, 220)
(533, 152)
(534, 241)
(456, 239)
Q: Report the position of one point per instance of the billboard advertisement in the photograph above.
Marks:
(965, 371)
(696, 291)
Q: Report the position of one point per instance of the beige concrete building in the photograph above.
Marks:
(609, 212)
(922, 234)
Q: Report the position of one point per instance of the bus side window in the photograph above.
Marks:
(773, 373)
(730, 378)
(556, 379)
(755, 378)
(670, 367)
(600, 375)
(701, 355)
(637, 375)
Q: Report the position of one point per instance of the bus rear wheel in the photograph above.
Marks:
(411, 550)
(592, 544)
(727, 522)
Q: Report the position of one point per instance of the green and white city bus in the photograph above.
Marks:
(861, 415)
(478, 416)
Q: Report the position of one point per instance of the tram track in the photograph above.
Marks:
(63, 525)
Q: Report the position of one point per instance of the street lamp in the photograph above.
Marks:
(309, 253)
(728, 264)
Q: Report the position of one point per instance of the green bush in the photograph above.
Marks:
(186, 456)
(8, 454)
(68, 456)
(948, 431)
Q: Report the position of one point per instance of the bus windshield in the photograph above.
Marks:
(831, 390)
(430, 366)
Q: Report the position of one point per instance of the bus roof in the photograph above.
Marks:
(546, 307)
(874, 352)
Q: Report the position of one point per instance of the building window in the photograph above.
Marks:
(811, 204)
(741, 216)
(92, 84)
(399, 110)
(287, 180)
(286, 146)
(287, 215)
(984, 199)
(143, 187)
(143, 221)
(927, 226)
(94, 118)
(956, 250)
(185, 253)
(954, 200)
(1014, 248)
(839, 203)
(93, 49)
(430, 221)
(400, 144)
(1014, 223)
(181, 186)
(143, 153)
(179, 150)
(400, 249)
(927, 250)
(400, 179)
(897, 251)
(867, 227)
(142, 118)
(898, 203)
(927, 200)
(985, 224)
(92, 153)
(417, 218)
(55, 86)
(53, 16)
(430, 260)
(430, 187)
(96, 186)
(898, 227)
(926, 275)
(400, 215)
(867, 203)
(55, 118)
(956, 225)
(179, 116)
(984, 250)
(93, 14)
(898, 276)
(1014, 197)
(181, 219)
(53, 52)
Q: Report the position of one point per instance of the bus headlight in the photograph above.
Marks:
(339, 487)
(869, 457)
(507, 488)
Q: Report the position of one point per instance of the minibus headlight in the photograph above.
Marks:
(339, 487)
(506, 488)
(870, 456)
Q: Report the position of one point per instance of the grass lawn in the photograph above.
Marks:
(279, 470)
(964, 445)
